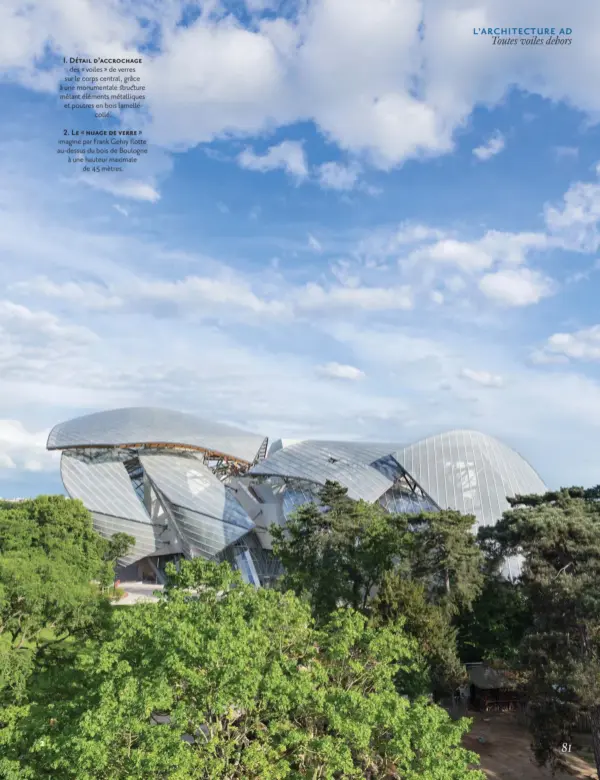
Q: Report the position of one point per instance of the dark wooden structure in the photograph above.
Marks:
(493, 690)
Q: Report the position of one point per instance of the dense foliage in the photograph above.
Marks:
(222, 680)
(320, 677)
(445, 557)
(558, 536)
(59, 527)
(399, 598)
(493, 630)
(342, 555)
(423, 567)
(53, 566)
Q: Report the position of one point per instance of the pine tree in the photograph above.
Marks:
(558, 535)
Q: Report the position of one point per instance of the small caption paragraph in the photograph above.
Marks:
(100, 88)
(102, 151)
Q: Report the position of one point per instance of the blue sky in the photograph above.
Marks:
(345, 227)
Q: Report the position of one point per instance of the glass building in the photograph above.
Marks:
(182, 486)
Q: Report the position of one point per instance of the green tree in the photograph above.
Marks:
(493, 630)
(558, 536)
(42, 602)
(425, 567)
(223, 680)
(340, 556)
(447, 559)
(58, 526)
(116, 547)
(399, 598)
(49, 555)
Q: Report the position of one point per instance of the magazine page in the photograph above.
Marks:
(299, 390)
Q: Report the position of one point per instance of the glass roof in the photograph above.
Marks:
(471, 472)
(145, 425)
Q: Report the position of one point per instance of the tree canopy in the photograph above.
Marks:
(57, 526)
(446, 558)
(50, 561)
(558, 537)
(425, 567)
(399, 598)
(339, 556)
(223, 680)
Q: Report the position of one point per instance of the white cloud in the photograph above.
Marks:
(335, 176)
(521, 287)
(390, 347)
(348, 65)
(581, 345)
(340, 371)
(493, 146)
(575, 222)
(87, 294)
(19, 448)
(513, 248)
(540, 357)
(483, 378)
(495, 247)
(6, 462)
(383, 245)
(314, 243)
(314, 296)
(414, 233)
(288, 155)
(120, 209)
(15, 318)
(228, 291)
(124, 188)
(467, 257)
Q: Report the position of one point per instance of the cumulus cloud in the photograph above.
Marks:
(521, 287)
(288, 155)
(335, 176)
(575, 221)
(484, 378)
(493, 146)
(340, 371)
(494, 248)
(467, 257)
(23, 449)
(582, 345)
(348, 65)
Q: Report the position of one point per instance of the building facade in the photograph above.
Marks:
(182, 486)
